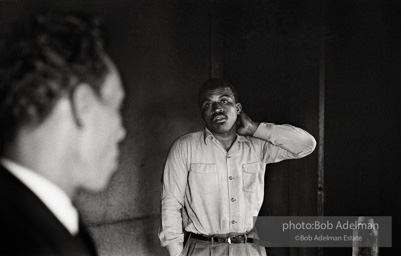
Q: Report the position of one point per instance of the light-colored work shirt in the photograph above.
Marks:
(51, 195)
(208, 190)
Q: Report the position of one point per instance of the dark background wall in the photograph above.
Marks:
(291, 61)
(287, 54)
(363, 112)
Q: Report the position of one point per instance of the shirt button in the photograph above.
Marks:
(233, 222)
(231, 178)
(228, 156)
(233, 199)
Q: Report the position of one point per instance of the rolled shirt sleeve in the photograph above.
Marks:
(284, 142)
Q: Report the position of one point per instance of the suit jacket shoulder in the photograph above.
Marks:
(30, 228)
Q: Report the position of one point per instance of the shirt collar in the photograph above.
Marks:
(51, 195)
(208, 135)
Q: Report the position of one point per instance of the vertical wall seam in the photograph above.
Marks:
(322, 87)
(216, 40)
(211, 64)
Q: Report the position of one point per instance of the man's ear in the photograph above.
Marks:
(239, 108)
(82, 100)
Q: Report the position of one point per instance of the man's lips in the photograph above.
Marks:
(220, 118)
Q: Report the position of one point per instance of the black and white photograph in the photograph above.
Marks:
(200, 127)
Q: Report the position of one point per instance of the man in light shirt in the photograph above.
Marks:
(213, 181)
(60, 126)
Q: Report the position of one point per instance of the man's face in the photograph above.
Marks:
(219, 110)
(105, 131)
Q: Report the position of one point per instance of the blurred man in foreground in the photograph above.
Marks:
(60, 126)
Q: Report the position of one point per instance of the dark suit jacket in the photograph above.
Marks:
(28, 227)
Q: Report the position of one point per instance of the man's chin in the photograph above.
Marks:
(100, 186)
(220, 128)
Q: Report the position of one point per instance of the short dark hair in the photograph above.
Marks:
(215, 83)
(45, 61)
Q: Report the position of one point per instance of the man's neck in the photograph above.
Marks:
(41, 162)
(226, 139)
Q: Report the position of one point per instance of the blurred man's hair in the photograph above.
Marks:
(215, 83)
(43, 62)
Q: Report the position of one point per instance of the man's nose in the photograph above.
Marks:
(216, 107)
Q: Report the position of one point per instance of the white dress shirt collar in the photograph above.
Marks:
(51, 195)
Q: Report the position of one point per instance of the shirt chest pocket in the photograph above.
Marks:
(203, 178)
(253, 176)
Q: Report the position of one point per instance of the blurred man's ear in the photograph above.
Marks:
(239, 108)
(83, 99)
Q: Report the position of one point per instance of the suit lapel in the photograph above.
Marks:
(86, 238)
(41, 219)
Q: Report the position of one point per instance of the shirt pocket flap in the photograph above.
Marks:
(252, 167)
(252, 177)
(203, 168)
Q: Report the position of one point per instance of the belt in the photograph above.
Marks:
(231, 240)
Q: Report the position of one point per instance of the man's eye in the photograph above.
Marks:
(223, 101)
(207, 105)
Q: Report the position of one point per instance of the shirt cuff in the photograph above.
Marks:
(175, 249)
(264, 131)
